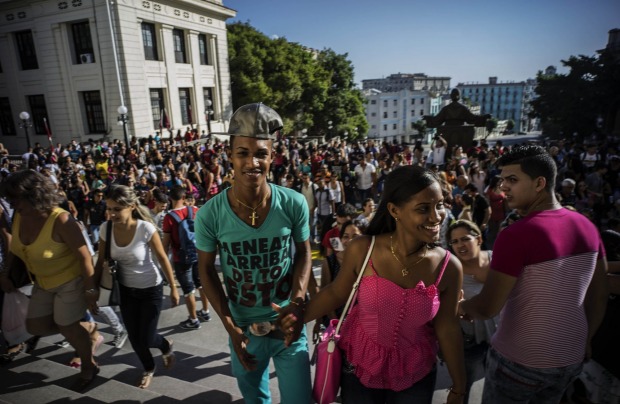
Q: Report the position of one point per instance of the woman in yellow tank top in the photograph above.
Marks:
(51, 244)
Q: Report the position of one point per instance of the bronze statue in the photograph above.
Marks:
(455, 114)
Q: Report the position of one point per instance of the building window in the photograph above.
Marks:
(7, 125)
(421, 100)
(384, 128)
(373, 114)
(421, 112)
(202, 49)
(395, 103)
(186, 106)
(412, 125)
(385, 114)
(157, 105)
(149, 41)
(394, 126)
(384, 103)
(373, 102)
(27, 53)
(395, 114)
(94, 112)
(413, 112)
(39, 111)
(178, 39)
(82, 43)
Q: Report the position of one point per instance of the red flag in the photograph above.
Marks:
(163, 120)
(49, 133)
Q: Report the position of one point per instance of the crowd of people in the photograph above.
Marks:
(462, 233)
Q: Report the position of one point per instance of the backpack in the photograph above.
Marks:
(187, 238)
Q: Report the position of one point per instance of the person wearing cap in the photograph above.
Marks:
(254, 226)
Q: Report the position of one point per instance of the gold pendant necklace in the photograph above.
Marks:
(253, 216)
(404, 271)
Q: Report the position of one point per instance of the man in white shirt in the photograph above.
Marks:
(366, 175)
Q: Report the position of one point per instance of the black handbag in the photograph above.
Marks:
(109, 287)
(18, 272)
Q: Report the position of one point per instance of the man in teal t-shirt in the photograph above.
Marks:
(254, 226)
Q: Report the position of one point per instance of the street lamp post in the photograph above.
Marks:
(122, 120)
(25, 123)
(208, 113)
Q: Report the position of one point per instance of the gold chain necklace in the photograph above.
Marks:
(404, 271)
(253, 216)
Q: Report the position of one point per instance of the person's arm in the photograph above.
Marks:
(212, 286)
(596, 301)
(491, 299)
(448, 328)
(485, 219)
(164, 263)
(69, 232)
(342, 193)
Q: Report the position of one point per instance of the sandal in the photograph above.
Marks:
(147, 378)
(169, 358)
(76, 362)
(83, 382)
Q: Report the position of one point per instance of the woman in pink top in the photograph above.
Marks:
(407, 299)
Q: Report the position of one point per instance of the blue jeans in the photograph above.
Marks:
(292, 367)
(354, 392)
(508, 382)
(187, 275)
(140, 309)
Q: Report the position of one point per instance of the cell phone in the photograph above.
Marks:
(336, 244)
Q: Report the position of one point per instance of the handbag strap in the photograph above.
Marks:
(109, 240)
(356, 286)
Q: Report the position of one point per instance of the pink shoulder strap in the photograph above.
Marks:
(443, 267)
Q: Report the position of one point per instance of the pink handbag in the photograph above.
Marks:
(328, 355)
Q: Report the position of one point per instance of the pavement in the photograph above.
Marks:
(202, 373)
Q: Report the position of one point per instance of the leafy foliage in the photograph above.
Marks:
(308, 88)
(571, 103)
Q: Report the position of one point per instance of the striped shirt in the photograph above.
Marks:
(553, 254)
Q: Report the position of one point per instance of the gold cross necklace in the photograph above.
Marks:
(253, 216)
(405, 270)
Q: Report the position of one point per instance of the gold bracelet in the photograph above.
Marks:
(456, 393)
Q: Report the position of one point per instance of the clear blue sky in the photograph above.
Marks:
(468, 41)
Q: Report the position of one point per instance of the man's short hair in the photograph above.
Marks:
(177, 193)
(534, 161)
(346, 209)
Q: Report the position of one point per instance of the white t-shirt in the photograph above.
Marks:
(137, 268)
(364, 176)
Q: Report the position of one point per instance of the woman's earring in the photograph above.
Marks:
(396, 219)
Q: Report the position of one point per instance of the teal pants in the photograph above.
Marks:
(292, 369)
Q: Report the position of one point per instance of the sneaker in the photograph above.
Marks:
(64, 343)
(119, 340)
(203, 315)
(190, 324)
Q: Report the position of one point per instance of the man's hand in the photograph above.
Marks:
(290, 320)
(240, 344)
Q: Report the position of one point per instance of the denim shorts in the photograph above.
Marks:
(187, 275)
(511, 383)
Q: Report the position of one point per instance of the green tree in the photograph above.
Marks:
(510, 125)
(490, 126)
(572, 102)
(420, 127)
(307, 88)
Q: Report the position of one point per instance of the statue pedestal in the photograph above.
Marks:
(458, 135)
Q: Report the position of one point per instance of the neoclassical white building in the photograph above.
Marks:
(73, 63)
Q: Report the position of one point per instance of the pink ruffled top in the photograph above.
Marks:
(388, 335)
